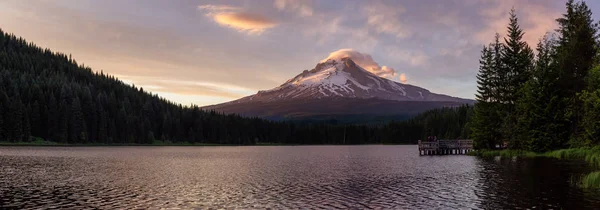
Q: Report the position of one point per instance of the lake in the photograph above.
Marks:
(283, 177)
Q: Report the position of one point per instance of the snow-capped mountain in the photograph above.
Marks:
(342, 84)
(344, 78)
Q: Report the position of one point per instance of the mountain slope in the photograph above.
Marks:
(338, 87)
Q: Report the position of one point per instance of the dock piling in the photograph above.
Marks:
(445, 147)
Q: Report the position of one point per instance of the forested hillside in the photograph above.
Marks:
(48, 95)
(544, 102)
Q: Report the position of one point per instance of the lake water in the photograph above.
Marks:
(283, 177)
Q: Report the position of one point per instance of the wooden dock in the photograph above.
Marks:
(445, 147)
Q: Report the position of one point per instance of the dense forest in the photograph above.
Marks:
(543, 101)
(48, 95)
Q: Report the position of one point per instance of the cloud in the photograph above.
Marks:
(302, 8)
(245, 22)
(218, 8)
(365, 61)
(535, 20)
(237, 18)
(403, 78)
(413, 58)
(189, 88)
(386, 19)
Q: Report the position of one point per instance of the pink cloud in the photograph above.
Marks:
(236, 18)
(365, 61)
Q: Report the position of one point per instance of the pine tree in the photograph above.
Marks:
(102, 131)
(499, 73)
(77, 129)
(15, 121)
(576, 54)
(485, 76)
(26, 127)
(62, 134)
(53, 120)
(483, 126)
(35, 117)
(537, 108)
(4, 108)
(88, 107)
(517, 61)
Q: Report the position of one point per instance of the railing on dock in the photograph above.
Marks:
(445, 147)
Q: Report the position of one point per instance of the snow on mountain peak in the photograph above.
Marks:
(328, 78)
(364, 60)
(328, 74)
(338, 77)
(341, 76)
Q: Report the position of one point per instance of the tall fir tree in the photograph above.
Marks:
(537, 109)
(498, 71)
(576, 54)
(517, 62)
(485, 77)
(483, 129)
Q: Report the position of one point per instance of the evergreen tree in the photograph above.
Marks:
(102, 131)
(52, 124)
(35, 119)
(62, 134)
(483, 132)
(487, 119)
(26, 127)
(538, 116)
(77, 129)
(88, 107)
(517, 61)
(576, 54)
(4, 110)
(15, 121)
(485, 77)
(499, 73)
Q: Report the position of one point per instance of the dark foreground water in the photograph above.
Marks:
(282, 177)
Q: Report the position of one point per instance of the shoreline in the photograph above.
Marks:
(590, 155)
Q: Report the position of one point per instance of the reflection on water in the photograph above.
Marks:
(282, 177)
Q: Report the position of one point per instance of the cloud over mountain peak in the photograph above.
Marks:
(367, 62)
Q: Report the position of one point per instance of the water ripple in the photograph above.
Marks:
(307, 177)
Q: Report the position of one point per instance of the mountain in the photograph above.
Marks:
(337, 88)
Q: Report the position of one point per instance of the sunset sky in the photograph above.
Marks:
(207, 52)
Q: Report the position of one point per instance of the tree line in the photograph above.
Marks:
(48, 95)
(545, 100)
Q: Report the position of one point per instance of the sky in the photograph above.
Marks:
(207, 52)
